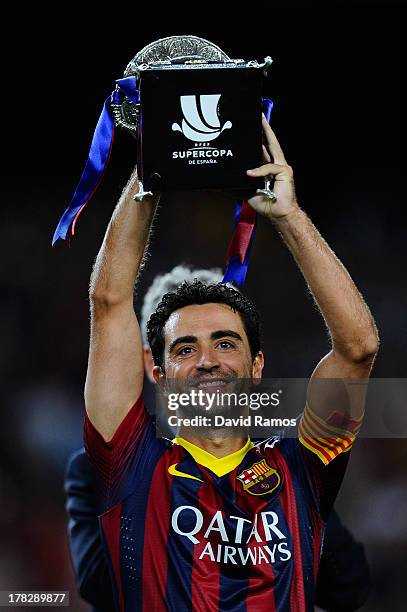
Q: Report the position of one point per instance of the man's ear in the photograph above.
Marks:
(257, 368)
(158, 376)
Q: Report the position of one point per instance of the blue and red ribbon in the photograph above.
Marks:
(240, 246)
(98, 159)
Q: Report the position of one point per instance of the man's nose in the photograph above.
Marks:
(208, 360)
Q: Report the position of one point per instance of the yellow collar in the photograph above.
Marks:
(218, 465)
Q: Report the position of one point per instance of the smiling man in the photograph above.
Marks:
(217, 523)
(204, 369)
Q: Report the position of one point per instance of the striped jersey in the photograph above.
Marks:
(184, 530)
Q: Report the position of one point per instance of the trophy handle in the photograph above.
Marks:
(126, 116)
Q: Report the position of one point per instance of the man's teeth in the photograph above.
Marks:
(212, 383)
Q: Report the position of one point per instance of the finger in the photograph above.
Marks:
(266, 155)
(272, 143)
(278, 171)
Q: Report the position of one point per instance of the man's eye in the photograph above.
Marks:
(225, 344)
(186, 350)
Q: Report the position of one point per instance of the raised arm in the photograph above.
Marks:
(349, 321)
(115, 373)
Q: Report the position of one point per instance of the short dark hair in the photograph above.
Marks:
(198, 292)
(163, 283)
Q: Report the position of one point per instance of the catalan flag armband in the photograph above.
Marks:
(329, 438)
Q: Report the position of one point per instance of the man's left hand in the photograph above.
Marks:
(276, 168)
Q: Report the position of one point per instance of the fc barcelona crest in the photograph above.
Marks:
(260, 478)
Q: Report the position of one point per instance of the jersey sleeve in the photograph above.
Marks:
(113, 461)
(324, 449)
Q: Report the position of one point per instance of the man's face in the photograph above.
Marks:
(207, 344)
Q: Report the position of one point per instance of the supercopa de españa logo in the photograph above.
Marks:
(201, 125)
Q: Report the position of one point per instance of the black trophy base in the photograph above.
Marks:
(200, 128)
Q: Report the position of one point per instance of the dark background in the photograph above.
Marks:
(337, 83)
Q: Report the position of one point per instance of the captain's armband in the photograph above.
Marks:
(327, 439)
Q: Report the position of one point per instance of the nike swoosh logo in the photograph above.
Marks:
(174, 472)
